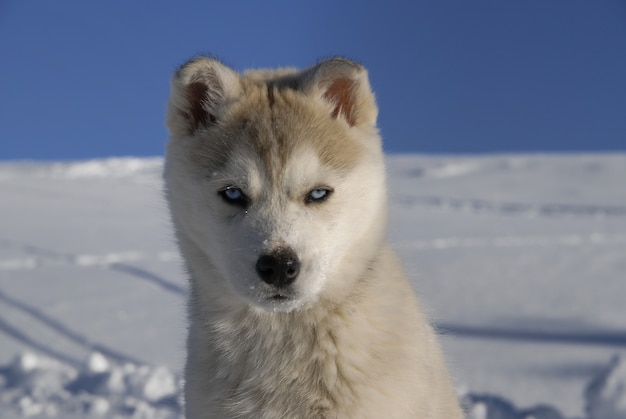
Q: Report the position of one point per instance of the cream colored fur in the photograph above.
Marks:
(347, 338)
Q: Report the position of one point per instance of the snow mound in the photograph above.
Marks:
(114, 167)
(606, 395)
(37, 387)
(494, 407)
(605, 398)
(117, 167)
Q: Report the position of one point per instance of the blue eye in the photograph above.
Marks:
(318, 195)
(234, 196)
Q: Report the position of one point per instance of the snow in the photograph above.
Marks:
(33, 386)
(606, 394)
(518, 259)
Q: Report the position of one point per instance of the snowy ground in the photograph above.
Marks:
(519, 259)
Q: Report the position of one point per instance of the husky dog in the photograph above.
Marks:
(297, 306)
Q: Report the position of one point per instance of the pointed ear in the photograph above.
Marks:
(200, 91)
(344, 86)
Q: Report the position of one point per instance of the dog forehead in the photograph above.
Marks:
(291, 127)
(290, 133)
(303, 169)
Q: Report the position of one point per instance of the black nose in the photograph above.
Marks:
(280, 268)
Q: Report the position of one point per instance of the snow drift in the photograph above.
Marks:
(518, 259)
(37, 387)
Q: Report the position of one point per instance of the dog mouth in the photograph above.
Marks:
(279, 298)
(280, 301)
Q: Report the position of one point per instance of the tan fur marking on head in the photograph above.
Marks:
(313, 128)
(276, 117)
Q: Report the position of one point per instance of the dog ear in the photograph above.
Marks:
(344, 85)
(200, 91)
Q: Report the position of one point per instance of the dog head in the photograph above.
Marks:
(277, 177)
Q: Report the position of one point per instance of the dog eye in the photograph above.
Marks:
(234, 196)
(318, 195)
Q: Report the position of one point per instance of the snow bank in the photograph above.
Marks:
(37, 387)
(116, 167)
(520, 258)
(606, 395)
(605, 398)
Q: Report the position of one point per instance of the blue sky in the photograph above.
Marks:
(82, 79)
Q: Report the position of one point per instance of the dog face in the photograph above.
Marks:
(277, 177)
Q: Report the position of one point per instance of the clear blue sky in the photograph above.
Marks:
(82, 79)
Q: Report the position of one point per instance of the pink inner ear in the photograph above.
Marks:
(340, 93)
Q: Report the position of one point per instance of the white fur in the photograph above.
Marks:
(348, 340)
